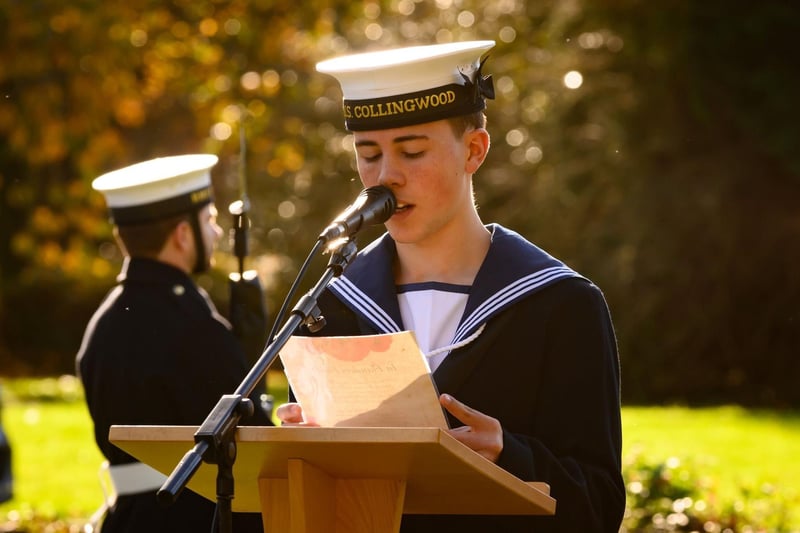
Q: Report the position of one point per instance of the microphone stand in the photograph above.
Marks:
(215, 441)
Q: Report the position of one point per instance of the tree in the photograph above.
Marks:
(650, 148)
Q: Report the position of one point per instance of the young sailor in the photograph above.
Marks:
(521, 347)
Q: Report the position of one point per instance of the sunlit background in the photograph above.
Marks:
(651, 145)
(652, 149)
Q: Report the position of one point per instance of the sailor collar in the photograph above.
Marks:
(513, 269)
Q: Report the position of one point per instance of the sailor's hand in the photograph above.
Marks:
(291, 414)
(480, 432)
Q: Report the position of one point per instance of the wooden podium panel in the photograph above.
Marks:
(405, 470)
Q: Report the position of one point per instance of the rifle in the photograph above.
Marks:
(247, 311)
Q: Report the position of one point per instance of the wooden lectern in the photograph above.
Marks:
(345, 480)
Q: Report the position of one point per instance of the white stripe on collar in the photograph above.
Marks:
(364, 305)
(507, 295)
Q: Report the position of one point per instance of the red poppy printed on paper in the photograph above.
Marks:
(358, 349)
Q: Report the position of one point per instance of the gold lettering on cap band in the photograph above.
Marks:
(407, 105)
(200, 196)
(183, 203)
(414, 108)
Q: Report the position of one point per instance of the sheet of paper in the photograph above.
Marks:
(365, 381)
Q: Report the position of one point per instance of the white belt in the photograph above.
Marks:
(132, 478)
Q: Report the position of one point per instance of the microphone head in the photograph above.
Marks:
(384, 201)
(374, 205)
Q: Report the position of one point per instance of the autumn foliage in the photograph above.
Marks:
(653, 149)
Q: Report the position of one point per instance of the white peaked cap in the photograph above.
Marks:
(158, 188)
(411, 85)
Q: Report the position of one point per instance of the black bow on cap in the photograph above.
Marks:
(483, 86)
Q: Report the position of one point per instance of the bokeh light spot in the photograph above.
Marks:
(573, 79)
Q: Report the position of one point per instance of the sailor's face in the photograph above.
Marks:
(210, 230)
(425, 166)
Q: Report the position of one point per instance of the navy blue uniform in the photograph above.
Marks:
(537, 351)
(156, 352)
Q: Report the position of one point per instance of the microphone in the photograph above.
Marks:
(374, 205)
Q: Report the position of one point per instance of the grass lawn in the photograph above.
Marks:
(735, 447)
(728, 448)
(741, 457)
(55, 459)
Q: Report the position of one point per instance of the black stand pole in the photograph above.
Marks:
(215, 439)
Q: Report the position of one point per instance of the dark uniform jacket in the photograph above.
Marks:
(540, 356)
(156, 352)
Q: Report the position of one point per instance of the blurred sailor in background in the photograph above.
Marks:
(157, 352)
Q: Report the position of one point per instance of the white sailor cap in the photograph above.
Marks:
(412, 85)
(158, 188)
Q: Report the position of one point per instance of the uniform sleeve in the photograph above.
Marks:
(212, 363)
(578, 423)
